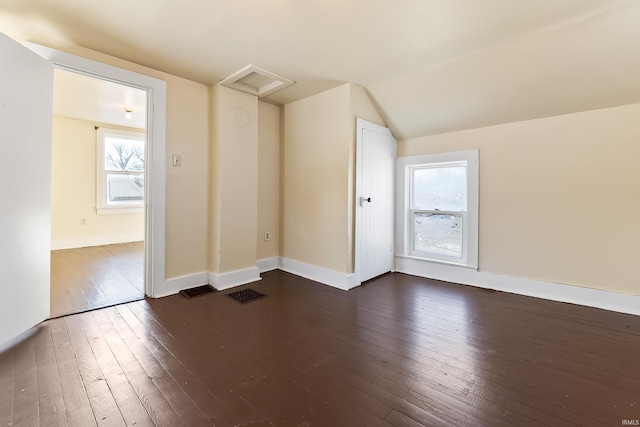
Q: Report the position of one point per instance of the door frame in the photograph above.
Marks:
(360, 125)
(155, 174)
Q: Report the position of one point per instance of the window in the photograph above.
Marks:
(120, 171)
(440, 207)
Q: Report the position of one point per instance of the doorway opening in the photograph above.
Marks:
(98, 193)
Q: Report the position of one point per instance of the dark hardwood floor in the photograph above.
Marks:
(99, 276)
(399, 350)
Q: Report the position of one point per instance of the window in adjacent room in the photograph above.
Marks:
(120, 171)
(440, 207)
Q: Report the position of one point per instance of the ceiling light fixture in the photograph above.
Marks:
(127, 112)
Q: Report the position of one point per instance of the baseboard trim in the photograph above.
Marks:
(222, 281)
(84, 242)
(607, 300)
(176, 284)
(597, 298)
(344, 281)
(268, 264)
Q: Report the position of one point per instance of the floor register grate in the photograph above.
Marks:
(197, 291)
(246, 296)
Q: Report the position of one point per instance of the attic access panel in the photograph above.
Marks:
(256, 81)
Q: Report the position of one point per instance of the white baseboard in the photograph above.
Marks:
(607, 300)
(176, 284)
(344, 281)
(268, 264)
(83, 242)
(597, 298)
(222, 281)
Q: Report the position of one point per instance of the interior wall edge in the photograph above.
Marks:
(231, 279)
(176, 284)
(336, 279)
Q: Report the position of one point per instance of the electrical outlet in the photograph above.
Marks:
(267, 236)
(83, 221)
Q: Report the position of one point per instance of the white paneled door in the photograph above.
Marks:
(26, 91)
(375, 155)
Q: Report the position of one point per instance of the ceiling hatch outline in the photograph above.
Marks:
(256, 81)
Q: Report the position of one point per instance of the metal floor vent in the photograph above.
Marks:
(246, 295)
(197, 291)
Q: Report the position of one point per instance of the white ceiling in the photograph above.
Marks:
(430, 66)
(88, 98)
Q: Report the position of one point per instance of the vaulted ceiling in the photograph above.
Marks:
(430, 66)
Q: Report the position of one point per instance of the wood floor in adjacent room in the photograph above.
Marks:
(99, 276)
(399, 350)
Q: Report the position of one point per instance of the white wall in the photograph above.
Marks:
(26, 83)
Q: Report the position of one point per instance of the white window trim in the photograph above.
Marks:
(102, 208)
(404, 213)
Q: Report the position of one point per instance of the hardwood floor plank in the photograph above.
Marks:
(25, 398)
(399, 350)
(151, 398)
(203, 398)
(7, 365)
(360, 407)
(87, 278)
(105, 409)
(172, 391)
(79, 412)
(50, 399)
(232, 409)
(124, 395)
(397, 419)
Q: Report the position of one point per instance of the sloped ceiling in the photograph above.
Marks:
(430, 66)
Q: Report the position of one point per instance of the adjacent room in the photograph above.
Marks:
(97, 194)
(320, 213)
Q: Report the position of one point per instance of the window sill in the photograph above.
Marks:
(438, 261)
(119, 210)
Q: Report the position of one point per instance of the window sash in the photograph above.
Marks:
(405, 209)
(443, 254)
(434, 166)
(103, 203)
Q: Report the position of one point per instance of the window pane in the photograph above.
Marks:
(125, 188)
(123, 154)
(438, 233)
(442, 188)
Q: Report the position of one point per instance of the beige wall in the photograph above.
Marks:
(268, 180)
(317, 131)
(318, 176)
(187, 209)
(559, 197)
(234, 180)
(187, 186)
(73, 192)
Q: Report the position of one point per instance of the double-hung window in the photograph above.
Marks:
(440, 207)
(120, 171)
